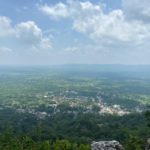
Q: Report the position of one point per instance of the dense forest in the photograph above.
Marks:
(64, 132)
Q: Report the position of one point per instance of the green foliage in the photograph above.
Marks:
(147, 115)
(134, 143)
(79, 128)
(11, 142)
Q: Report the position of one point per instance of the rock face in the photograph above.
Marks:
(148, 145)
(107, 145)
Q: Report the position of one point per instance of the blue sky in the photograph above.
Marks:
(46, 32)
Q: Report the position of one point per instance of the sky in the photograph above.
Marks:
(47, 32)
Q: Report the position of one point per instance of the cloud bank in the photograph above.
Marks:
(23, 35)
(121, 26)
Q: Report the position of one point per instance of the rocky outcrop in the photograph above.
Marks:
(148, 145)
(107, 145)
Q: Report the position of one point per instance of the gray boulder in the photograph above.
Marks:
(148, 145)
(106, 145)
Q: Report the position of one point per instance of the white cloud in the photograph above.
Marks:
(57, 11)
(5, 26)
(106, 28)
(72, 49)
(4, 50)
(111, 27)
(25, 35)
(30, 34)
